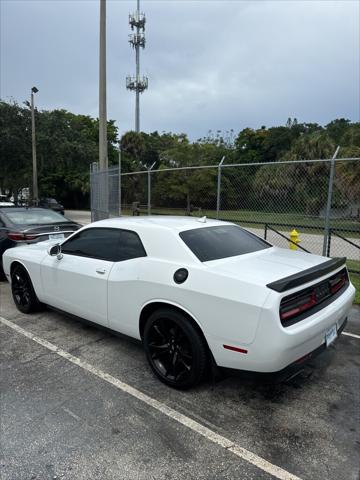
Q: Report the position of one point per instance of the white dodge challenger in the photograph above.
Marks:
(197, 292)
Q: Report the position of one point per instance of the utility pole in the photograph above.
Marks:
(35, 192)
(137, 21)
(103, 155)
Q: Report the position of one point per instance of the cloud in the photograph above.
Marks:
(211, 64)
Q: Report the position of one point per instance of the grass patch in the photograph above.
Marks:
(253, 218)
(355, 280)
(353, 265)
(270, 217)
(355, 277)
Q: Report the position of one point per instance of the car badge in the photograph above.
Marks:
(56, 229)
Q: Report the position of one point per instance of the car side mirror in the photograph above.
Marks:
(55, 251)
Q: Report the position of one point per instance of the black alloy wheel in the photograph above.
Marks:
(175, 350)
(23, 292)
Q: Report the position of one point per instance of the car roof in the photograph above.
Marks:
(177, 223)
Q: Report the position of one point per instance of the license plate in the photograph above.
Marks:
(56, 236)
(330, 335)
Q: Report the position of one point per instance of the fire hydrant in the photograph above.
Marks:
(294, 237)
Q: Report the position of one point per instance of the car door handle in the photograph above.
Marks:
(101, 271)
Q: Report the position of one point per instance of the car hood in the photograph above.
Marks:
(267, 265)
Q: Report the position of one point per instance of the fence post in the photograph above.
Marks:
(149, 188)
(91, 194)
(119, 182)
(328, 205)
(93, 186)
(219, 188)
(265, 231)
(328, 247)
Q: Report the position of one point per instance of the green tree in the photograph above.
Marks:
(15, 147)
(337, 129)
(187, 189)
(66, 145)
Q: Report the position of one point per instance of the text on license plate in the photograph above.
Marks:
(56, 236)
(330, 335)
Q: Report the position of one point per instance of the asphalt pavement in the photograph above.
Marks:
(79, 403)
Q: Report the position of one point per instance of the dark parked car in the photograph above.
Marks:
(52, 204)
(19, 225)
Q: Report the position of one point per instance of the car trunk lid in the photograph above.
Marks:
(39, 233)
(267, 266)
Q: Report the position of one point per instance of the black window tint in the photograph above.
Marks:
(109, 244)
(213, 243)
(130, 246)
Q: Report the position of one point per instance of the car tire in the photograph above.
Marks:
(2, 273)
(23, 291)
(176, 351)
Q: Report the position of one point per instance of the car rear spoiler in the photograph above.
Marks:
(307, 275)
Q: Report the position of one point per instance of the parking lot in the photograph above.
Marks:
(80, 403)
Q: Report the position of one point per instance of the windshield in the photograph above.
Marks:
(213, 243)
(35, 217)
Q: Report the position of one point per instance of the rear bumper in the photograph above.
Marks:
(286, 373)
(276, 348)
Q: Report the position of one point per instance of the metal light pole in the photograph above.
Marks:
(103, 157)
(35, 192)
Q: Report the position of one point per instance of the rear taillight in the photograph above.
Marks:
(338, 282)
(20, 237)
(16, 237)
(294, 307)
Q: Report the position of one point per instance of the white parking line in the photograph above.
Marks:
(351, 335)
(210, 435)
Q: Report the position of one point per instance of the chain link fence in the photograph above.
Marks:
(311, 205)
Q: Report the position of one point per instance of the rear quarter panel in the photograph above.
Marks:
(225, 308)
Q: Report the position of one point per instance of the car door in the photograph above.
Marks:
(125, 291)
(78, 282)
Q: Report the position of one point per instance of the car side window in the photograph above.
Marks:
(130, 246)
(110, 244)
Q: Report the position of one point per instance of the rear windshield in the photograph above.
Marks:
(213, 243)
(34, 217)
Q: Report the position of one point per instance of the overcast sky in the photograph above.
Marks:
(212, 64)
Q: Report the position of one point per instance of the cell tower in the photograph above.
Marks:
(138, 84)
